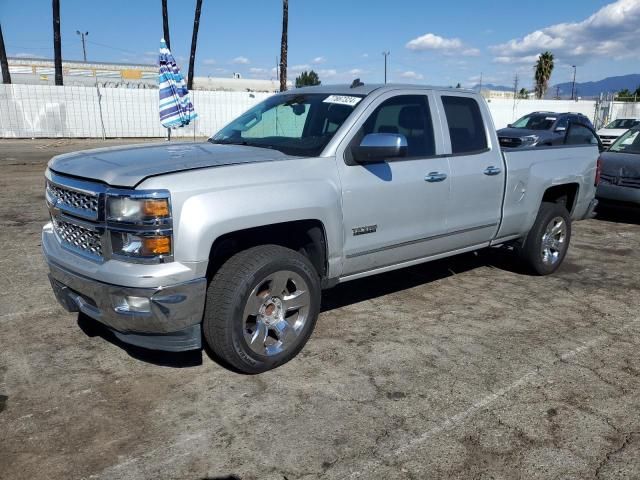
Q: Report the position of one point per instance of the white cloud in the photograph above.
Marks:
(356, 71)
(318, 60)
(209, 61)
(411, 75)
(299, 68)
(23, 55)
(327, 73)
(448, 46)
(256, 70)
(610, 32)
(240, 60)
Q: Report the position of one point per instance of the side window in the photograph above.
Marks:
(466, 125)
(405, 114)
(562, 123)
(580, 135)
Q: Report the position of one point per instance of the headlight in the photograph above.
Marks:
(140, 225)
(529, 139)
(137, 210)
(140, 244)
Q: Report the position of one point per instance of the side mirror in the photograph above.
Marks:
(561, 129)
(509, 125)
(376, 147)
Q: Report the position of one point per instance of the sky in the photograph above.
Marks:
(437, 43)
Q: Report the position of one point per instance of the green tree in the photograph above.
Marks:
(458, 85)
(523, 93)
(307, 79)
(543, 70)
(625, 95)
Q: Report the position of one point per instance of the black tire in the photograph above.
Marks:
(228, 294)
(531, 251)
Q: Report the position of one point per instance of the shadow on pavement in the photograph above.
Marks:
(619, 213)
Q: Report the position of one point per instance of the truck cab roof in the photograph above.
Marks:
(347, 89)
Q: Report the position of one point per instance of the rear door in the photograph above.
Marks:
(477, 170)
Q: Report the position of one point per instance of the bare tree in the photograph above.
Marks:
(57, 47)
(194, 43)
(284, 45)
(6, 77)
(165, 24)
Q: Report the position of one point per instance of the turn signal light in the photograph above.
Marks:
(155, 208)
(156, 245)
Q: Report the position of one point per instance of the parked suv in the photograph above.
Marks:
(620, 177)
(612, 131)
(539, 128)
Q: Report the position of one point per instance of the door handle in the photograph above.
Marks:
(435, 177)
(492, 170)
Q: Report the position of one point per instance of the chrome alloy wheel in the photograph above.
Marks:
(276, 312)
(553, 241)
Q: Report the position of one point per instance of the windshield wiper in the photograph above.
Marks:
(243, 143)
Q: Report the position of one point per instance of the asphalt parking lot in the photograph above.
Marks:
(463, 368)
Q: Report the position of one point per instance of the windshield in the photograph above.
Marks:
(627, 143)
(623, 123)
(536, 122)
(295, 124)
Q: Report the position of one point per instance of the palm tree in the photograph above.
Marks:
(194, 42)
(544, 67)
(4, 64)
(165, 24)
(284, 45)
(57, 48)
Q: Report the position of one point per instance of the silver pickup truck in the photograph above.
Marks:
(233, 239)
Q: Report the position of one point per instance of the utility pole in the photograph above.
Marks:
(57, 48)
(573, 86)
(284, 45)
(386, 54)
(480, 89)
(557, 92)
(194, 43)
(84, 48)
(515, 87)
(4, 64)
(165, 24)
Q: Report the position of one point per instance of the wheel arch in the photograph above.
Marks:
(307, 236)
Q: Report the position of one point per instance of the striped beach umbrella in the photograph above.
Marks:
(176, 109)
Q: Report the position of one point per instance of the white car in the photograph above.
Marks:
(610, 133)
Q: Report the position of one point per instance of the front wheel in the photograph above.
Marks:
(547, 242)
(261, 308)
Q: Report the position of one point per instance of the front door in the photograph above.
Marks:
(394, 211)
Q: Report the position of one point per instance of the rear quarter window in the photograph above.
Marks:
(466, 125)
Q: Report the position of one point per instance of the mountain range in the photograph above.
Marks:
(584, 89)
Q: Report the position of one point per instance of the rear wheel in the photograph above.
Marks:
(261, 309)
(547, 242)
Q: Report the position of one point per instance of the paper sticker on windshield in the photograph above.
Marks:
(553, 119)
(343, 100)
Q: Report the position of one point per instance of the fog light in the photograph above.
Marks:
(133, 304)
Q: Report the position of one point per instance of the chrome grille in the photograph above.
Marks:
(84, 202)
(78, 237)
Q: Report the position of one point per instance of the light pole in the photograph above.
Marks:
(84, 48)
(573, 86)
(386, 54)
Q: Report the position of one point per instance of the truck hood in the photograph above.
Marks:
(127, 166)
(621, 164)
(613, 132)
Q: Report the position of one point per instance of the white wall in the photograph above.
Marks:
(48, 111)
